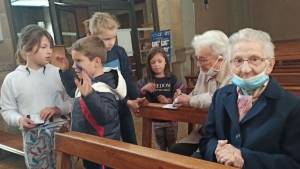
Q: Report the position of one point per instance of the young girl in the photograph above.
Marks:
(33, 97)
(105, 26)
(159, 87)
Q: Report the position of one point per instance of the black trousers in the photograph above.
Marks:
(184, 149)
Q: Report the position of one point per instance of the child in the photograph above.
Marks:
(104, 26)
(33, 93)
(159, 87)
(86, 24)
(95, 109)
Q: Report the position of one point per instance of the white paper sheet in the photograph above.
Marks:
(36, 118)
(171, 106)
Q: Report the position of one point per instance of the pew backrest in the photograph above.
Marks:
(121, 155)
(287, 56)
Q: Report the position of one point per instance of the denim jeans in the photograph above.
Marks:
(127, 125)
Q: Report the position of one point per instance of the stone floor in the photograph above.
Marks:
(17, 162)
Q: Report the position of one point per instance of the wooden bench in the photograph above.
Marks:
(287, 56)
(120, 155)
(293, 89)
(182, 114)
(11, 142)
(287, 79)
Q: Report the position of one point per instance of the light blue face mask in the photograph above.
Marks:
(251, 83)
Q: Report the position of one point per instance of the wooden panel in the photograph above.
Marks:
(147, 132)
(63, 160)
(287, 52)
(293, 89)
(12, 143)
(122, 155)
(287, 79)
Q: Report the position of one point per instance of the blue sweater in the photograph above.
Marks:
(117, 57)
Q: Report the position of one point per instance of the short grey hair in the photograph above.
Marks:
(216, 40)
(251, 35)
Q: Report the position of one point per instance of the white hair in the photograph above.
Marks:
(216, 40)
(251, 35)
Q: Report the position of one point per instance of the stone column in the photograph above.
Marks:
(149, 12)
(7, 64)
(178, 16)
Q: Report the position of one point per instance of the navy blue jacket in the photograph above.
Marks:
(117, 57)
(102, 106)
(269, 134)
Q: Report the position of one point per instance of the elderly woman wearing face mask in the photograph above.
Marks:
(210, 55)
(254, 122)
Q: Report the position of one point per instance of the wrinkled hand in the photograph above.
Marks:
(228, 154)
(48, 112)
(63, 63)
(150, 87)
(85, 88)
(26, 123)
(134, 105)
(162, 99)
(184, 100)
(177, 93)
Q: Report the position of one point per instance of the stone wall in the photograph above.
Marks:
(7, 61)
(7, 64)
(178, 16)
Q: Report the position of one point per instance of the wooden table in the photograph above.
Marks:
(155, 111)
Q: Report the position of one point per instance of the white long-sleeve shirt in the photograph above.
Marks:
(27, 91)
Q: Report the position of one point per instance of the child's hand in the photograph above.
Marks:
(85, 88)
(134, 105)
(63, 63)
(26, 123)
(162, 99)
(48, 112)
(150, 87)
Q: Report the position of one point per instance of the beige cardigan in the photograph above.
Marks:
(202, 96)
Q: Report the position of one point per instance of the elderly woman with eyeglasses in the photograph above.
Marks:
(254, 122)
(210, 55)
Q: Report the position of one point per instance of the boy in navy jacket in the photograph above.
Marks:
(95, 108)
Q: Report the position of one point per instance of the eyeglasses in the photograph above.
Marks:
(202, 61)
(253, 60)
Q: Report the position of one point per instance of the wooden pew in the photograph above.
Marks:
(120, 155)
(11, 142)
(293, 89)
(287, 79)
(182, 114)
(287, 56)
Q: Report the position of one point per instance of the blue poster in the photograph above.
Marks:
(163, 39)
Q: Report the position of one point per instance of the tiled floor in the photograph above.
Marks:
(17, 162)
